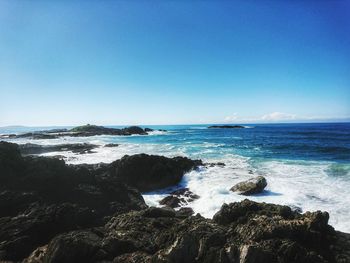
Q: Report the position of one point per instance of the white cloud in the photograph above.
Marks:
(278, 116)
(231, 118)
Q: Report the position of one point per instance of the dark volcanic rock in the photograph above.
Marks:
(133, 130)
(220, 164)
(171, 201)
(51, 212)
(36, 135)
(252, 186)
(91, 130)
(150, 172)
(244, 232)
(42, 197)
(226, 127)
(80, 131)
(111, 145)
(30, 148)
(182, 196)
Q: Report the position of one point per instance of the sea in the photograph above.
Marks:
(307, 166)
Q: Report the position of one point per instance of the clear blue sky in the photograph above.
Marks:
(167, 62)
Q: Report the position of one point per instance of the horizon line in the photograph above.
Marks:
(183, 124)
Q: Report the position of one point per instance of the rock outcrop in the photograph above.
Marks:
(252, 186)
(52, 212)
(42, 197)
(179, 197)
(81, 148)
(151, 172)
(244, 232)
(80, 131)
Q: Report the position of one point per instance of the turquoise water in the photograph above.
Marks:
(307, 166)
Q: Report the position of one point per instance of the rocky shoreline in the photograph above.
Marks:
(80, 131)
(53, 212)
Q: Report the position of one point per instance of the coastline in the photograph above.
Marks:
(77, 198)
(293, 182)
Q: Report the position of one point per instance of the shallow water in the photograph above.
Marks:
(307, 166)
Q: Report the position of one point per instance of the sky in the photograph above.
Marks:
(173, 62)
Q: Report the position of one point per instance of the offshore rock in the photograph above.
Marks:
(80, 131)
(252, 186)
(151, 172)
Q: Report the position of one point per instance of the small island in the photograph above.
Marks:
(81, 131)
(226, 127)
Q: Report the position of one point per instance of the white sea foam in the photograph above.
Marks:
(158, 132)
(303, 184)
(299, 185)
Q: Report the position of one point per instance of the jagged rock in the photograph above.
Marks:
(150, 172)
(30, 148)
(220, 164)
(111, 145)
(252, 186)
(51, 212)
(171, 201)
(36, 135)
(37, 255)
(240, 232)
(185, 212)
(176, 198)
(42, 197)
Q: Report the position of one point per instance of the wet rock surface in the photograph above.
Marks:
(240, 232)
(52, 212)
(111, 145)
(81, 148)
(179, 197)
(151, 172)
(252, 186)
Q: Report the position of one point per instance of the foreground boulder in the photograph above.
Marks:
(245, 232)
(252, 186)
(151, 172)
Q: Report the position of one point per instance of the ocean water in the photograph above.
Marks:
(307, 166)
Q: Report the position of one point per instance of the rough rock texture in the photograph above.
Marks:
(151, 172)
(252, 186)
(30, 148)
(51, 212)
(179, 197)
(41, 197)
(245, 232)
(111, 145)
